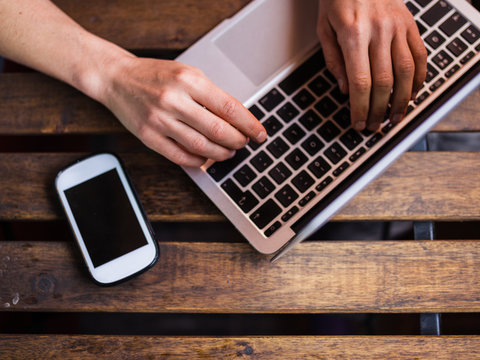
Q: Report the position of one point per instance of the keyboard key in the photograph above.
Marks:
(271, 100)
(421, 29)
(423, 3)
(294, 133)
(435, 39)
(452, 70)
(328, 131)
(342, 118)
(431, 73)
(442, 59)
(409, 109)
(457, 47)
(338, 95)
(436, 12)
(303, 181)
(287, 112)
(374, 139)
(412, 8)
(354, 157)
(420, 98)
(245, 200)
(312, 144)
(254, 145)
(351, 139)
(303, 73)
(324, 183)
(272, 125)
(288, 215)
(255, 110)
(278, 147)
(452, 24)
(296, 159)
(310, 120)
(245, 175)
(330, 76)
(341, 168)
(306, 199)
(280, 173)
(335, 153)
(326, 106)
(319, 167)
(471, 34)
(261, 161)
(265, 213)
(286, 195)
(274, 227)
(303, 99)
(263, 187)
(467, 58)
(220, 169)
(319, 86)
(386, 129)
(437, 84)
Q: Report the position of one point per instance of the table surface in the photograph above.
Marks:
(226, 276)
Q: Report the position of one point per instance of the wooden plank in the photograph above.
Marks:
(255, 347)
(192, 277)
(146, 24)
(419, 186)
(36, 104)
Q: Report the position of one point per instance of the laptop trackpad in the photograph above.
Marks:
(269, 36)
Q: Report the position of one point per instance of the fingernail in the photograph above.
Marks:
(247, 141)
(396, 118)
(232, 154)
(414, 95)
(261, 137)
(359, 125)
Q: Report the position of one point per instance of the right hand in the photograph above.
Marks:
(176, 111)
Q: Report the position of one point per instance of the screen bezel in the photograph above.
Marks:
(130, 263)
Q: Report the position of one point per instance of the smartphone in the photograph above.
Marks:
(108, 222)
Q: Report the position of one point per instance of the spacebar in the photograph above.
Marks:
(220, 169)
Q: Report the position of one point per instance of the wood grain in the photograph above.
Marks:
(36, 104)
(267, 347)
(146, 24)
(315, 277)
(418, 186)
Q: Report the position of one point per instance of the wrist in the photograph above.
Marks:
(100, 65)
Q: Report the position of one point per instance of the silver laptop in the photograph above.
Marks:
(268, 56)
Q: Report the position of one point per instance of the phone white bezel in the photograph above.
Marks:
(127, 264)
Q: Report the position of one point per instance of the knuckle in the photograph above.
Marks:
(180, 158)
(218, 130)
(229, 108)
(185, 75)
(361, 83)
(383, 80)
(198, 144)
(406, 67)
(166, 98)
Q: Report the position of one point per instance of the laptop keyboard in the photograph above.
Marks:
(311, 142)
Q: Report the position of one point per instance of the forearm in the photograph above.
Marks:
(39, 35)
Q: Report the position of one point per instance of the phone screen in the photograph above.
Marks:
(105, 217)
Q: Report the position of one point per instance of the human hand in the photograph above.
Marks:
(372, 48)
(175, 110)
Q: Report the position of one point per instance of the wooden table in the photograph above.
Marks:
(198, 276)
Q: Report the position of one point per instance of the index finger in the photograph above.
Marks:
(229, 109)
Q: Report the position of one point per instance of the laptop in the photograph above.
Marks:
(268, 56)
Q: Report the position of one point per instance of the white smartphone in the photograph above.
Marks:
(108, 222)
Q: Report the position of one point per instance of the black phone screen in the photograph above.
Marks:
(105, 217)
